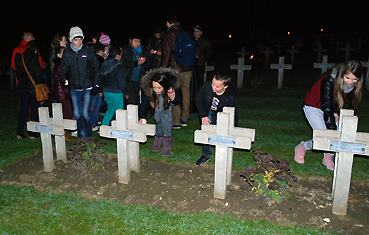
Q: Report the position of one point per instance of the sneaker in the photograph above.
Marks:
(20, 137)
(95, 128)
(74, 134)
(176, 127)
(202, 160)
(328, 161)
(183, 123)
(300, 153)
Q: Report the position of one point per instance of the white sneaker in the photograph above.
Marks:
(74, 134)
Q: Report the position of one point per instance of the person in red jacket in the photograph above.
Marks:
(326, 98)
(27, 37)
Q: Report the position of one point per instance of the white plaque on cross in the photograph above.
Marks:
(225, 137)
(52, 126)
(281, 66)
(240, 67)
(128, 132)
(345, 142)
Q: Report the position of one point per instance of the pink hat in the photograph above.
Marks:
(104, 39)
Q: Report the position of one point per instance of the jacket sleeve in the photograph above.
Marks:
(169, 41)
(121, 76)
(96, 68)
(178, 97)
(64, 67)
(200, 102)
(326, 96)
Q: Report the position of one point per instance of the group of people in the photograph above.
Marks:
(86, 75)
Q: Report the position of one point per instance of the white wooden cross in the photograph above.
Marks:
(240, 67)
(324, 65)
(347, 50)
(243, 52)
(267, 52)
(293, 51)
(338, 43)
(52, 126)
(319, 49)
(281, 66)
(207, 69)
(366, 64)
(279, 45)
(345, 142)
(225, 137)
(128, 132)
(260, 46)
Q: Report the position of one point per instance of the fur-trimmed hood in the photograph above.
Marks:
(146, 81)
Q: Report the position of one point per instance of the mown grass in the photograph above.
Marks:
(277, 117)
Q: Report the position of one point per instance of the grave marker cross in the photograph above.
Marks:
(243, 52)
(240, 67)
(319, 49)
(366, 64)
(128, 132)
(324, 65)
(267, 52)
(347, 50)
(281, 66)
(207, 69)
(225, 137)
(345, 142)
(293, 51)
(52, 126)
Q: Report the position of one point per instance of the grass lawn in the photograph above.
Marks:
(280, 125)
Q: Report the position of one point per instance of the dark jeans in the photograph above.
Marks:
(27, 100)
(96, 102)
(82, 102)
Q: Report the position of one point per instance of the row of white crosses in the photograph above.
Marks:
(225, 136)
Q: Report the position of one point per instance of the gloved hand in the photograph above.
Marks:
(94, 90)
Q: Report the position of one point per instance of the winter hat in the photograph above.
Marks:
(75, 32)
(146, 80)
(199, 27)
(104, 39)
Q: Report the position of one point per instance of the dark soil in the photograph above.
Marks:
(189, 188)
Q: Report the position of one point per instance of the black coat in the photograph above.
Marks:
(34, 68)
(129, 64)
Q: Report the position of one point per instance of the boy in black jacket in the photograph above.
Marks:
(212, 97)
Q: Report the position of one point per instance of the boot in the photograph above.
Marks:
(167, 146)
(157, 143)
(328, 161)
(66, 137)
(300, 153)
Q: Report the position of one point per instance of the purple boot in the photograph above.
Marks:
(157, 143)
(167, 146)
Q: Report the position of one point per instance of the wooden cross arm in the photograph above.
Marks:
(37, 127)
(240, 142)
(149, 129)
(135, 136)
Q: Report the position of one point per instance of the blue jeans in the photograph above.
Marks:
(82, 102)
(96, 102)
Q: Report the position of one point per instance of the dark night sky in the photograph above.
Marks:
(220, 18)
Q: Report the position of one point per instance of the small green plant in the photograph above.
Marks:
(87, 154)
(271, 177)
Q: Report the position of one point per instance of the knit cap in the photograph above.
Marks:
(104, 39)
(75, 32)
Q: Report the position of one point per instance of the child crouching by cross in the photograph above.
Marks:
(163, 88)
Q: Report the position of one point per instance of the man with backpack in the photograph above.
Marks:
(176, 56)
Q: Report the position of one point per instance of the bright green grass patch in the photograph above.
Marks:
(25, 210)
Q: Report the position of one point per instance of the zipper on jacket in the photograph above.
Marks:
(79, 78)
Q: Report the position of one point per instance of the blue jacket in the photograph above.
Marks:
(113, 78)
(80, 66)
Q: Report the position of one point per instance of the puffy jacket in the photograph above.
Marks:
(60, 91)
(113, 78)
(33, 66)
(81, 66)
(321, 96)
(205, 98)
(169, 41)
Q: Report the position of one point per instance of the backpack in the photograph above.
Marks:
(185, 50)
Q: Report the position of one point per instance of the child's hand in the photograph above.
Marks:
(143, 121)
(336, 117)
(171, 93)
(205, 121)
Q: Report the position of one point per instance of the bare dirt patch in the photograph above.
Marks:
(189, 188)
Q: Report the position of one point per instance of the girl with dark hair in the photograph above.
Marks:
(162, 86)
(326, 98)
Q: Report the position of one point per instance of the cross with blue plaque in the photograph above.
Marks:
(281, 66)
(225, 137)
(129, 133)
(52, 126)
(345, 142)
(240, 67)
(324, 65)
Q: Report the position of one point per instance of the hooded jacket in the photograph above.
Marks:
(81, 66)
(113, 78)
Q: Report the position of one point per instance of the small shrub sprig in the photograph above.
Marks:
(87, 154)
(272, 176)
